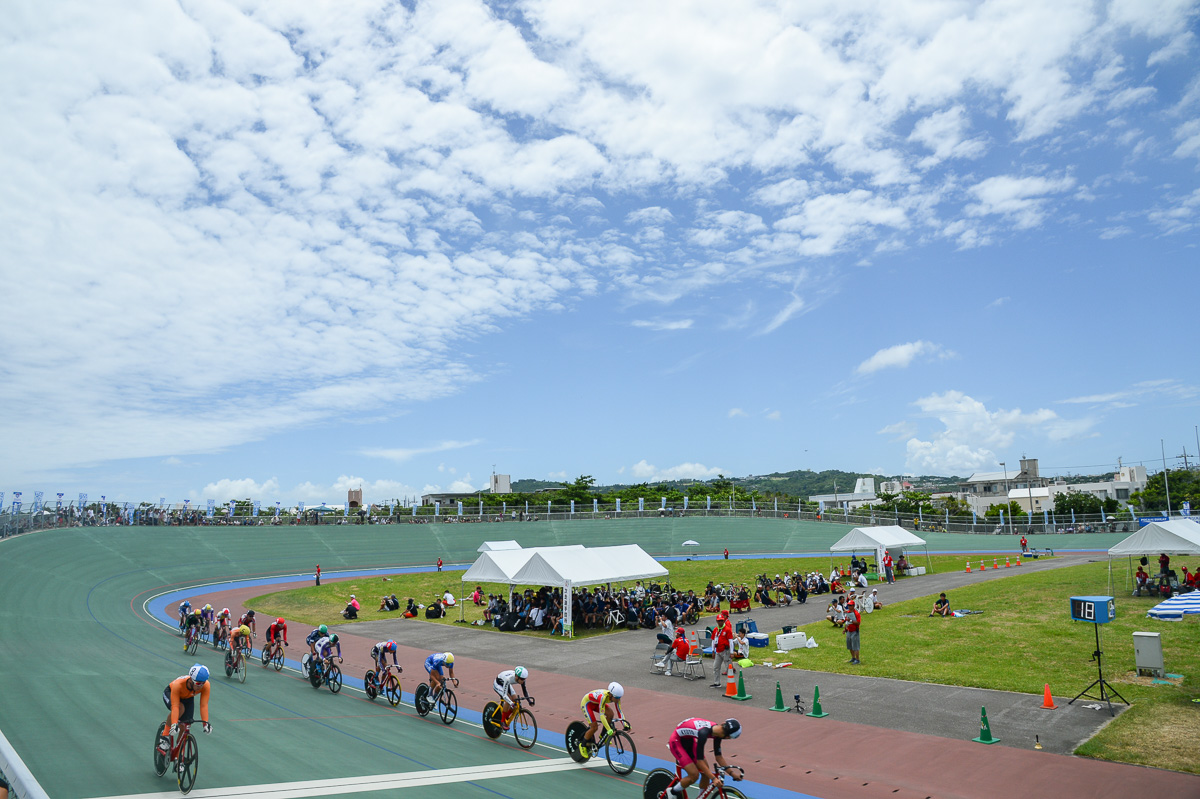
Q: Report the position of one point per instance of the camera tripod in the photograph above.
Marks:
(1106, 689)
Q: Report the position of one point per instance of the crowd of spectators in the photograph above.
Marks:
(1167, 583)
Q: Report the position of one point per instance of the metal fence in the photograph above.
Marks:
(15, 519)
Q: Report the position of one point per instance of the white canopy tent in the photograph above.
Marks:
(501, 566)
(1175, 537)
(498, 546)
(879, 540)
(566, 567)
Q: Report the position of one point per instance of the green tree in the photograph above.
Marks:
(1079, 501)
(1185, 487)
(1012, 510)
(580, 490)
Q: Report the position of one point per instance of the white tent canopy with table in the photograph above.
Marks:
(879, 540)
(1176, 537)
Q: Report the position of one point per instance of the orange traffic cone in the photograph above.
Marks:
(694, 644)
(1006, 563)
(982, 566)
(995, 565)
(968, 567)
(1018, 559)
(1048, 701)
(731, 683)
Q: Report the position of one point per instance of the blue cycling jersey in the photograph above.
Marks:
(435, 662)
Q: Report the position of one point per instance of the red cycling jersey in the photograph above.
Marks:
(276, 631)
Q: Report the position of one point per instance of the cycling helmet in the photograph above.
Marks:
(280, 621)
(224, 611)
(323, 630)
(616, 689)
(733, 728)
(390, 646)
(249, 614)
(333, 639)
(185, 604)
(196, 612)
(244, 630)
(208, 607)
(449, 658)
(521, 672)
(198, 673)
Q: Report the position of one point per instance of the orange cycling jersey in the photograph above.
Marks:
(179, 690)
(239, 638)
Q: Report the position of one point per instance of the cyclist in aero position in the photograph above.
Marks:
(179, 697)
(247, 620)
(325, 647)
(277, 632)
(185, 609)
(239, 638)
(505, 688)
(221, 631)
(316, 635)
(434, 664)
(379, 654)
(208, 616)
(601, 707)
(687, 745)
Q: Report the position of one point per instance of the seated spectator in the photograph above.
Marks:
(448, 599)
(836, 613)
(389, 603)
(477, 595)
(861, 580)
(435, 611)
(801, 592)
(410, 612)
(741, 644)
(902, 565)
(1141, 582)
(678, 653)
(352, 608)
(836, 587)
(665, 628)
(490, 608)
(941, 607)
(875, 603)
(537, 616)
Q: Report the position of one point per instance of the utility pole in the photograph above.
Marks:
(1185, 457)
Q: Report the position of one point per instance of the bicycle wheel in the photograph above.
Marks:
(732, 793)
(609, 624)
(239, 666)
(621, 753)
(448, 707)
(160, 758)
(265, 656)
(277, 661)
(188, 764)
(391, 690)
(421, 699)
(370, 685)
(524, 728)
(228, 666)
(193, 642)
(314, 676)
(490, 726)
(656, 782)
(334, 680)
(575, 732)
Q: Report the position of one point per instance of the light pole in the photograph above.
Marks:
(1007, 506)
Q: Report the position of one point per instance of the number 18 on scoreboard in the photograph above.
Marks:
(1096, 609)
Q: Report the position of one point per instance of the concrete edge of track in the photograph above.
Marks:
(158, 608)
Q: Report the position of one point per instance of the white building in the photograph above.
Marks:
(863, 494)
(501, 483)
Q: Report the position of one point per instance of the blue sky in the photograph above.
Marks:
(279, 250)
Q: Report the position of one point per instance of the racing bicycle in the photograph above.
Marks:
(235, 663)
(523, 724)
(385, 682)
(182, 754)
(273, 653)
(659, 780)
(614, 620)
(618, 746)
(425, 700)
(193, 640)
(323, 671)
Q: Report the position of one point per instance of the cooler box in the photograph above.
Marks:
(787, 641)
(749, 625)
(758, 639)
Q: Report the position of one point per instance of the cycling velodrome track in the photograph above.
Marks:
(86, 647)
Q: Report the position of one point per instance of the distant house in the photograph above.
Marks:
(863, 494)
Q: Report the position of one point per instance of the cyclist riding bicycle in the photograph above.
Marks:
(179, 697)
(277, 632)
(247, 620)
(325, 647)
(505, 688)
(313, 637)
(223, 625)
(687, 745)
(379, 654)
(239, 638)
(434, 664)
(601, 707)
(192, 621)
(208, 615)
(185, 609)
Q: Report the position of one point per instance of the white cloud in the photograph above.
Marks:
(652, 474)
(663, 324)
(246, 488)
(944, 132)
(774, 416)
(401, 454)
(654, 215)
(172, 461)
(898, 356)
(999, 301)
(1022, 200)
(972, 435)
(736, 412)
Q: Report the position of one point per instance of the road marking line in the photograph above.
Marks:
(376, 782)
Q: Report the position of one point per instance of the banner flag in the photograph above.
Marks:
(753, 505)
(212, 506)
(460, 509)
(618, 504)
(547, 508)
(974, 517)
(256, 505)
(232, 507)
(821, 506)
(595, 505)
(1001, 517)
(59, 505)
(414, 509)
(104, 507)
(82, 501)
(1104, 518)
(1045, 520)
(777, 504)
(276, 509)
(161, 501)
(685, 502)
(708, 505)
(1072, 515)
(437, 508)
(346, 509)
(663, 506)
(572, 507)
(526, 507)
(37, 501)
(641, 504)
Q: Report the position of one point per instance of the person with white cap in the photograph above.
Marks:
(874, 604)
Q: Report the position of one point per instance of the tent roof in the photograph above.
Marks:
(497, 546)
(874, 537)
(1176, 537)
(591, 566)
(501, 566)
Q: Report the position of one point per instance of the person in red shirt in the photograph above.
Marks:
(721, 638)
(853, 621)
(1141, 581)
(439, 564)
(680, 649)
(318, 574)
(888, 573)
(277, 632)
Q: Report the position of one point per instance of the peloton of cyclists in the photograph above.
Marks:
(506, 688)
(687, 745)
(434, 665)
(601, 707)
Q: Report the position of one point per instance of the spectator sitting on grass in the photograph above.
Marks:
(389, 603)
(477, 595)
(435, 610)
(741, 644)
(836, 612)
(448, 599)
(410, 612)
(941, 607)
(352, 608)
(875, 603)
(836, 586)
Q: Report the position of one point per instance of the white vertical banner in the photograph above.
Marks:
(58, 506)
(212, 507)
(437, 508)
(16, 503)
(300, 509)
(777, 504)
(708, 501)
(618, 504)
(1002, 517)
(460, 509)
(846, 511)
(753, 504)
(685, 501)
(162, 501)
(37, 501)
(346, 509)
(186, 502)
(526, 507)
(232, 507)
(82, 501)
(572, 507)
(641, 504)
(821, 507)
(663, 506)
(414, 509)
(103, 507)
(276, 509)
(256, 506)
(567, 622)
(547, 509)
(595, 505)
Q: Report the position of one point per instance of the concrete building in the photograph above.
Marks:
(863, 494)
(501, 483)
(354, 498)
